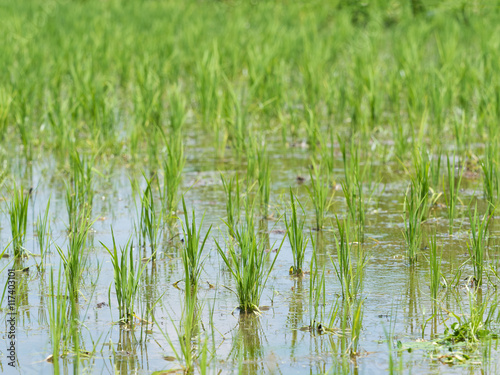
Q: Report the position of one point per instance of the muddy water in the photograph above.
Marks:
(397, 298)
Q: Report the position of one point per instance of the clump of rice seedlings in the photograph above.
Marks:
(177, 112)
(490, 179)
(352, 186)
(319, 192)
(247, 262)
(193, 249)
(75, 260)
(349, 275)
(236, 120)
(233, 202)
(475, 325)
(79, 192)
(173, 165)
(58, 309)
(477, 243)
(18, 213)
(412, 223)
(150, 220)
(207, 85)
(435, 171)
(126, 278)
(313, 132)
(435, 259)
(42, 228)
(451, 191)
(295, 232)
(264, 179)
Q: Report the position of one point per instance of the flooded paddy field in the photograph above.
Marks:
(225, 187)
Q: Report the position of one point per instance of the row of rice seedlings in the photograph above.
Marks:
(320, 194)
(295, 232)
(247, 262)
(18, 213)
(412, 223)
(350, 276)
(150, 220)
(490, 178)
(126, 279)
(233, 200)
(451, 191)
(477, 243)
(42, 228)
(193, 249)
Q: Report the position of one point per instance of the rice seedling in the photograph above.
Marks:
(420, 180)
(295, 231)
(319, 193)
(490, 178)
(150, 220)
(477, 243)
(126, 278)
(247, 263)
(208, 72)
(451, 191)
(58, 310)
(264, 179)
(18, 213)
(79, 191)
(232, 200)
(75, 259)
(173, 165)
(435, 171)
(412, 223)
(42, 234)
(193, 249)
(350, 276)
(313, 131)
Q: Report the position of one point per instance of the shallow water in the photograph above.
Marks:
(396, 297)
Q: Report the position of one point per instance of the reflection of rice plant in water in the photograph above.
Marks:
(58, 308)
(295, 232)
(435, 258)
(18, 213)
(246, 262)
